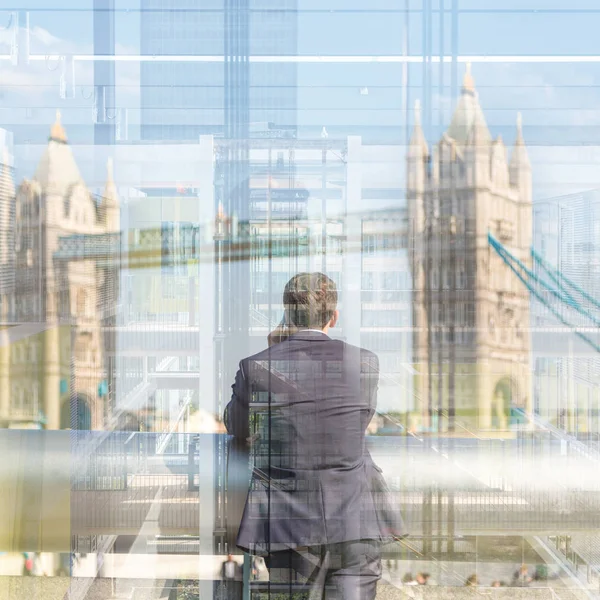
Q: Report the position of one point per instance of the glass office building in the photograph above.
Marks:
(215, 88)
(566, 231)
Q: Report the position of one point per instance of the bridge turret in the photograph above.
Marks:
(57, 174)
(110, 201)
(470, 133)
(477, 156)
(418, 155)
(520, 167)
(520, 178)
(499, 175)
(417, 174)
(468, 118)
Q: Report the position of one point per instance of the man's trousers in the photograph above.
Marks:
(344, 571)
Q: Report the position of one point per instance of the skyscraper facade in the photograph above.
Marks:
(566, 231)
(7, 218)
(212, 77)
(215, 88)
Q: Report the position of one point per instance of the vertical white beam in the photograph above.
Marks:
(352, 273)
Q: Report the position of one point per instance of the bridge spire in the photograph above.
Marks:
(110, 200)
(57, 132)
(418, 143)
(468, 122)
(57, 170)
(519, 160)
(468, 81)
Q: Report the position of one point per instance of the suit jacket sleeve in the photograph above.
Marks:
(369, 379)
(237, 412)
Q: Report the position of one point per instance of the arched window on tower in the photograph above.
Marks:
(76, 413)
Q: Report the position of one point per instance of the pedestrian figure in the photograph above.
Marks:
(521, 577)
(231, 576)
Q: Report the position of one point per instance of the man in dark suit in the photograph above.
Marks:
(318, 506)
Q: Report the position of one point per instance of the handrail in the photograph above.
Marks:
(563, 436)
(446, 413)
(566, 565)
(160, 448)
(262, 318)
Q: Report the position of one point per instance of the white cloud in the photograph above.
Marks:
(44, 36)
(37, 84)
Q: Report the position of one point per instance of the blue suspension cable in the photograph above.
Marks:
(554, 274)
(509, 259)
(532, 276)
(570, 283)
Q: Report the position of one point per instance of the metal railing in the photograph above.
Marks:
(494, 488)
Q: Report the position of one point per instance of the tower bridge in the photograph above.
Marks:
(458, 191)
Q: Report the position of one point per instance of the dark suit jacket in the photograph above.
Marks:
(308, 401)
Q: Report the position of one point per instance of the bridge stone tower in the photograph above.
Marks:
(58, 377)
(471, 340)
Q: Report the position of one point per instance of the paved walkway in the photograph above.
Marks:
(55, 588)
(388, 592)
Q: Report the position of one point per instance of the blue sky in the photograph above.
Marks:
(559, 102)
(485, 26)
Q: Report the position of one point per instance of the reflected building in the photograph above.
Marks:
(471, 314)
(566, 389)
(7, 228)
(219, 92)
(290, 229)
(305, 211)
(53, 362)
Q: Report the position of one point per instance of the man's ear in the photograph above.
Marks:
(334, 318)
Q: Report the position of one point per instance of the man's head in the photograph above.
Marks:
(310, 302)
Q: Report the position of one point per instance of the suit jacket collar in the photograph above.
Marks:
(310, 335)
